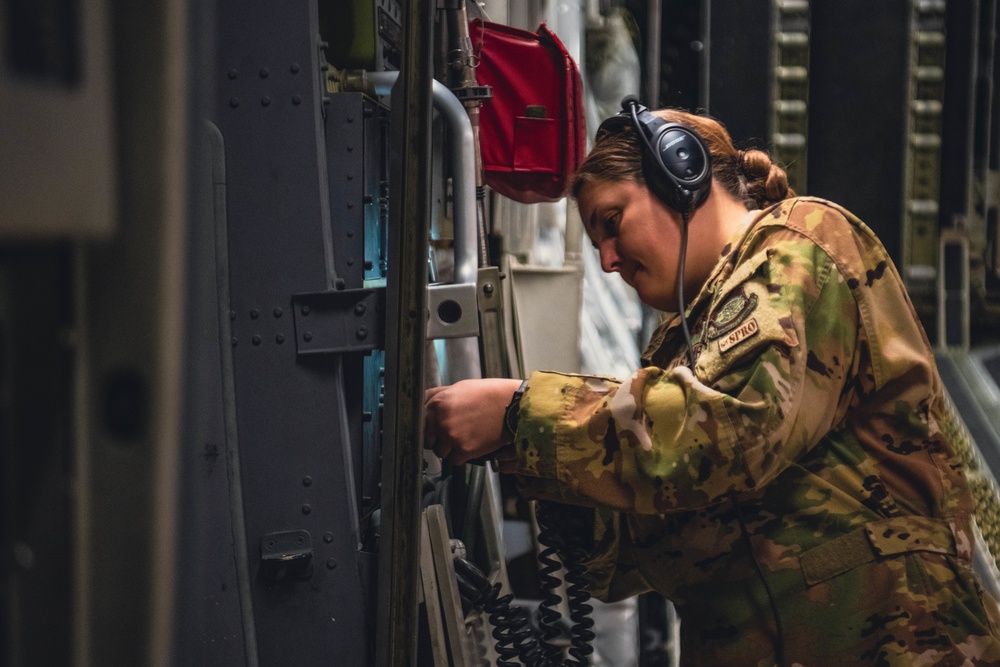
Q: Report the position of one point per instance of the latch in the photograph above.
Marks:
(286, 555)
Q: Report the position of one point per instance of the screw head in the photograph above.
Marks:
(361, 333)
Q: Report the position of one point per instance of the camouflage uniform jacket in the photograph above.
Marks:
(812, 429)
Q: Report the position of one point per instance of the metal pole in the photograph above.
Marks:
(654, 17)
(406, 307)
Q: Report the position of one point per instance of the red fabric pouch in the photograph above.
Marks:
(532, 131)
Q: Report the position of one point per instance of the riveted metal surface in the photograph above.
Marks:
(288, 411)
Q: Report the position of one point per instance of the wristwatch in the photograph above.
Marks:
(510, 415)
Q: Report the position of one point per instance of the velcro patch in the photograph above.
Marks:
(745, 331)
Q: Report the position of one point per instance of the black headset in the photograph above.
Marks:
(675, 160)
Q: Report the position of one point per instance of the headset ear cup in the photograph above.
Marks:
(685, 162)
(660, 185)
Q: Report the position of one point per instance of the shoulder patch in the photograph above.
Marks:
(730, 316)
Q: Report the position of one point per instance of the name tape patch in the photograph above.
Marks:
(745, 331)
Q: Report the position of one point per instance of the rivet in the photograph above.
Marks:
(278, 312)
(350, 148)
(232, 314)
(361, 333)
(263, 72)
(296, 100)
(265, 101)
(307, 336)
(360, 308)
(350, 204)
(256, 339)
(328, 537)
(235, 340)
(307, 481)
(254, 313)
(234, 102)
(350, 235)
(305, 310)
(350, 261)
(331, 564)
(350, 177)
(232, 74)
(294, 68)
(307, 508)
(350, 119)
(279, 339)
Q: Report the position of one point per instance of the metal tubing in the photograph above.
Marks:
(463, 158)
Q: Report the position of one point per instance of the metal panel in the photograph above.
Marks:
(739, 68)
(962, 23)
(857, 110)
(294, 446)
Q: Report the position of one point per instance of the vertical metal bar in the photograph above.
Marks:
(406, 295)
(654, 19)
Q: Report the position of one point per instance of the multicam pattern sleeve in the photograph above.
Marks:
(772, 355)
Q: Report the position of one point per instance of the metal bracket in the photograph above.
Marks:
(286, 555)
(454, 311)
(353, 320)
(341, 321)
(490, 305)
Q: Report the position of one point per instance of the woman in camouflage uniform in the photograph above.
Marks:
(795, 492)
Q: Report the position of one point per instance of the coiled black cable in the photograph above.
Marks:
(548, 612)
(565, 543)
(512, 629)
(581, 631)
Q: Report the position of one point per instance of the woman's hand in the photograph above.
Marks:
(464, 421)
